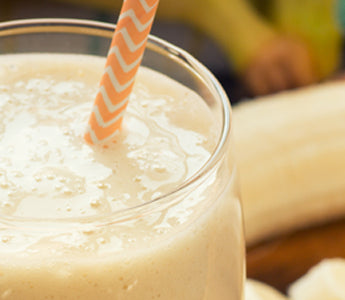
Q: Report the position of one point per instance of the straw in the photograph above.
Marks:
(123, 61)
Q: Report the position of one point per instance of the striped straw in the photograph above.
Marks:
(123, 61)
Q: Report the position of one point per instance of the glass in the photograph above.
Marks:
(202, 258)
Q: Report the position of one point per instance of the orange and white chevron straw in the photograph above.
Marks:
(123, 61)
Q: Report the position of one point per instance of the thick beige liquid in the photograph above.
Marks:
(187, 247)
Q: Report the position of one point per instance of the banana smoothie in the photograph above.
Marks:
(131, 219)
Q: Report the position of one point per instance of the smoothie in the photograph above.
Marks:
(111, 221)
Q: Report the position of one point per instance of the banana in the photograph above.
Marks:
(324, 281)
(290, 151)
(240, 30)
(255, 290)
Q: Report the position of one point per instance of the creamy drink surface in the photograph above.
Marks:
(65, 232)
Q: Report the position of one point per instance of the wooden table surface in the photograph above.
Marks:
(282, 260)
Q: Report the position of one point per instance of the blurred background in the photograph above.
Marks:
(253, 47)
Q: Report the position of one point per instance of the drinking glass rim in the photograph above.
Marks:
(103, 29)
